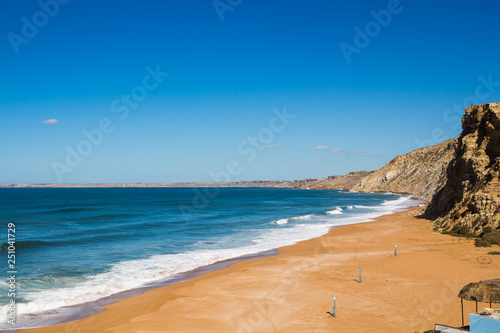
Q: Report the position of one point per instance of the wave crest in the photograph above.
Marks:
(335, 211)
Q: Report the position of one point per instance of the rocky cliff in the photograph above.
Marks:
(420, 173)
(471, 196)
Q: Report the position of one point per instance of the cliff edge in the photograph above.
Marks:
(471, 196)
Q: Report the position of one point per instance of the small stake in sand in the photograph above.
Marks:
(360, 278)
(395, 250)
(334, 310)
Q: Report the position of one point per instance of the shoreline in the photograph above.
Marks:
(74, 312)
(80, 311)
(259, 294)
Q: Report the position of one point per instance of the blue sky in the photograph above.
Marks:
(67, 68)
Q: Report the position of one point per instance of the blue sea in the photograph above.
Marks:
(77, 245)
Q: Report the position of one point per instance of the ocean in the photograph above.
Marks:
(79, 245)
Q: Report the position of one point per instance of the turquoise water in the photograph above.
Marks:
(75, 245)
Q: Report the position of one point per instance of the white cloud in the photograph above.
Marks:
(338, 150)
(269, 146)
(50, 121)
(330, 149)
(318, 148)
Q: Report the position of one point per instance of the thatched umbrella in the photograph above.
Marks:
(482, 291)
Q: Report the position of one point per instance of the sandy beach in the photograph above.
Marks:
(292, 292)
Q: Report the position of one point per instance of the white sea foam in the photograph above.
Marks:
(304, 217)
(335, 211)
(135, 273)
(280, 222)
(395, 202)
(295, 218)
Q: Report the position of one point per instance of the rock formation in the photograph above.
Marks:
(471, 196)
(420, 173)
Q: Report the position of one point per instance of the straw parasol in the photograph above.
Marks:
(482, 291)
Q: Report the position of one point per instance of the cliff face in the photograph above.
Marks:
(471, 195)
(420, 173)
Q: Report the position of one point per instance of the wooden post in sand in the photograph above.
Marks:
(360, 277)
(462, 302)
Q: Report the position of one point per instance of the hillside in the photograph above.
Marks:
(335, 182)
(420, 173)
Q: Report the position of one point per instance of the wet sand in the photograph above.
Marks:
(292, 292)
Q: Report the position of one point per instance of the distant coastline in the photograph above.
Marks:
(257, 183)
